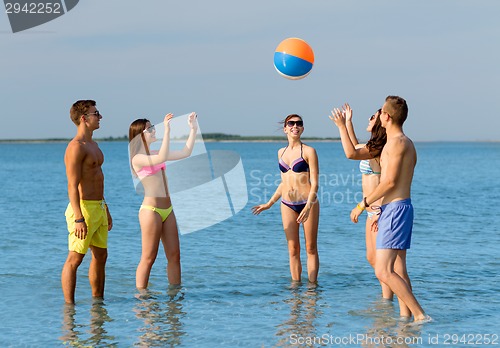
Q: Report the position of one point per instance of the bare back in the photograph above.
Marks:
(398, 160)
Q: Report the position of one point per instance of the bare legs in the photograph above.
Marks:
(400, 270)
(171, 245)
(291, 228)
(68, 275)
(311, 239)
(96, 273)
(386, 271)
(150, 223)
(153, 230)
(371, 250)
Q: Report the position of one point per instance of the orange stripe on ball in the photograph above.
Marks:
(296, 47)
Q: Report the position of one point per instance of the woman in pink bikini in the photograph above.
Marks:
(298, 190)
(156, 217)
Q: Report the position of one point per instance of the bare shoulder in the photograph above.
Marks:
(410, 149)
(76, 148)
(280, 151)
(75, 153)
(398, 143)
(138, 159)
(410, 142)
(308, 152)
(308, 149)
(406, 143)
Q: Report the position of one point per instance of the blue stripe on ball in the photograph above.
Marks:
(290, 65)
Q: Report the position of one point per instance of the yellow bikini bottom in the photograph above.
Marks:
(163, 212)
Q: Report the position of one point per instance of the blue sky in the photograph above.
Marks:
(144, 59)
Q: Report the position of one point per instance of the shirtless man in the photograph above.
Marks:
(87, 214)
(397, 160)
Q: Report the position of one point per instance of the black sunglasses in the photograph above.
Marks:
(295, 123)
(93, 113)
(372, 117)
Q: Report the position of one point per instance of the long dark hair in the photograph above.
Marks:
(137, 143)
(378, 137)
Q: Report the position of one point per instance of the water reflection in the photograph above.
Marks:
(92, 335)
(162, 316)
(303, 313)
(388, 331)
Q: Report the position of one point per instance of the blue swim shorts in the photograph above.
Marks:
(395, 225)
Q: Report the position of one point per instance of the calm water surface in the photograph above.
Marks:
(236, 287)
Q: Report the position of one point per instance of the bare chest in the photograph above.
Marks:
(94, 157)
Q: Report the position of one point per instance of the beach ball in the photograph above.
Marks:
(293, 58)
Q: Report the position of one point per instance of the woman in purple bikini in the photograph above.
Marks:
(298, 190)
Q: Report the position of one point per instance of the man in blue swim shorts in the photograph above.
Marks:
(395, 225)
(87, 215)
(397, 161)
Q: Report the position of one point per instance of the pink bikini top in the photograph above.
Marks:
(150, 170)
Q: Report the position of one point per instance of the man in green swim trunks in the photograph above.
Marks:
(87, 214)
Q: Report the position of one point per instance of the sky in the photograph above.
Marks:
(148, 58)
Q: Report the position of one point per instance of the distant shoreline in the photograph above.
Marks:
(224, 138)
(209, 137)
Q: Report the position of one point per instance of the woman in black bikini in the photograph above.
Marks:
(298, 191)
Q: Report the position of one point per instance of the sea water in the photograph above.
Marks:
(236, 287)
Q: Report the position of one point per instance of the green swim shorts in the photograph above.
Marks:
(96, 219)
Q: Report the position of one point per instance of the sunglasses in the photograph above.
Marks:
(372, 117)
(150, 129)
(295, 123)
(94, 113)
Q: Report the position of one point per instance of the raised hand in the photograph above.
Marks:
(166, 121)
(192, 120)
(338, 117)
(346, 108)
